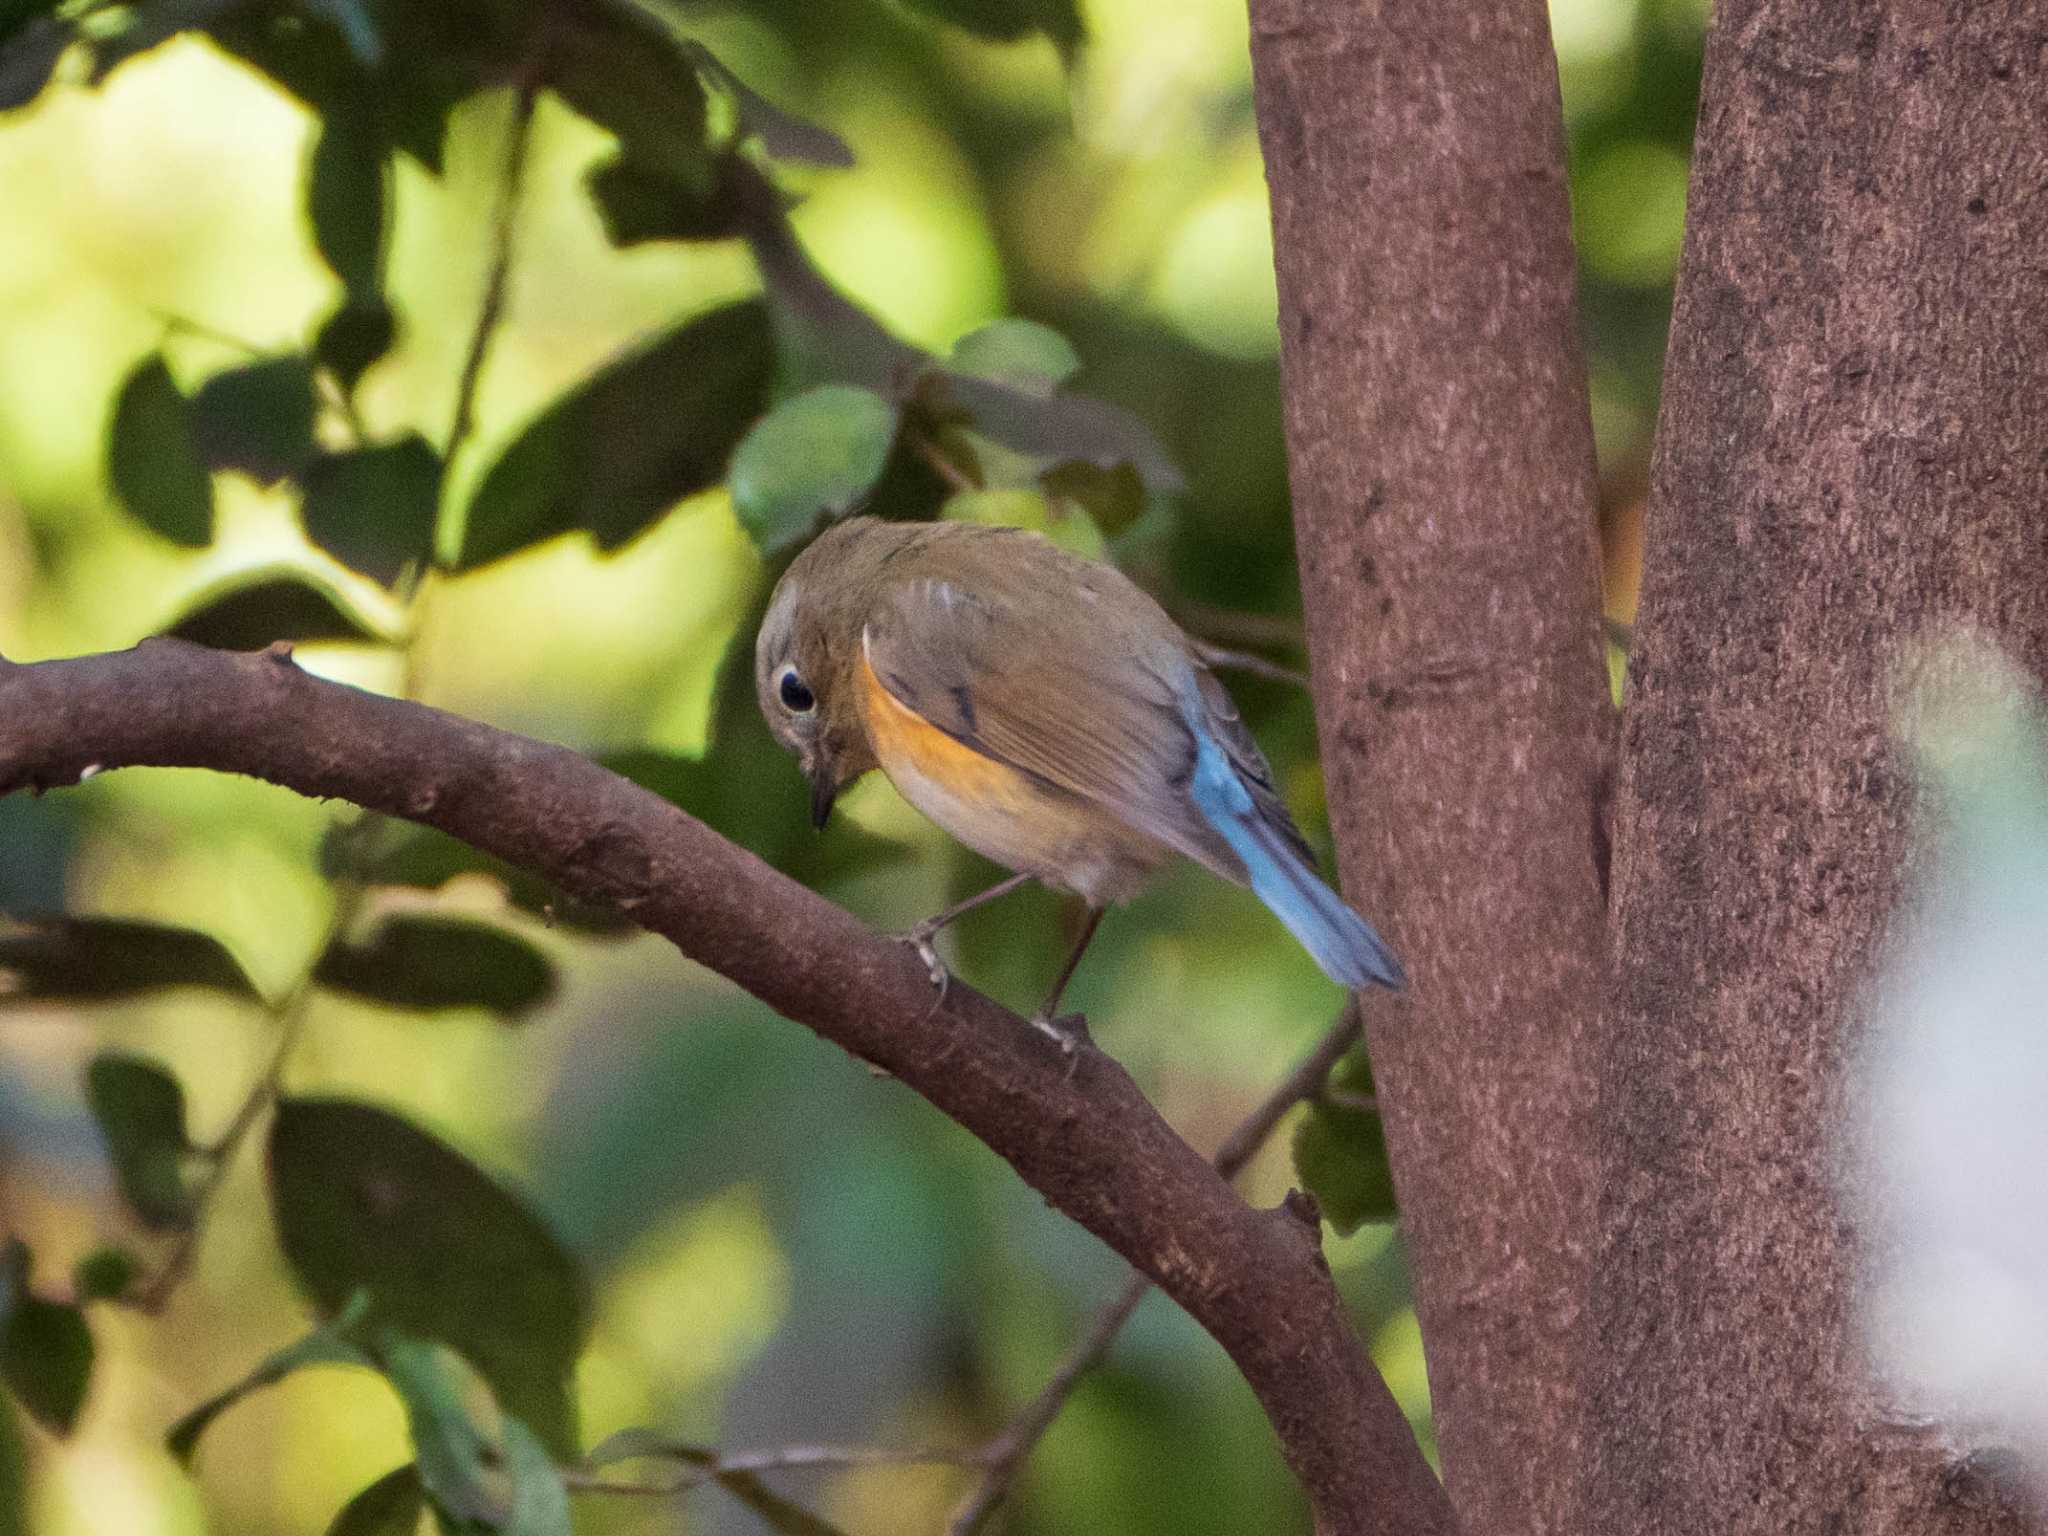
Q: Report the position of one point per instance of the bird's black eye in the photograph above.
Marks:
(796, 697)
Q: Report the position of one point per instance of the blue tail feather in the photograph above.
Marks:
(1342, 942)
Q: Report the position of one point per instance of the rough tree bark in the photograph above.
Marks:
(1852, 451)
(1085, 1138)
(1441, 459)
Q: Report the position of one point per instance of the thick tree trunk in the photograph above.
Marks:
(1442, 468)
(1854, 449)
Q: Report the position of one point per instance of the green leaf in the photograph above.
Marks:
(645, 431)
(391, 1506)
(359, 331)
(1007, 20)
(141, 1113)
(455, 1458)
(28, 57)
(105, 1274)
(347, 193)
(784, 135)
(1033, 357)
(1028, 509)
(13, 1477)
(1340, 1154)
(153, 457)
(333, 1343)
(1058, 428)
(95, 959)
(373, 507)
(364, 1201)
(638, 204)
(816, 454)
(247, 610)
(151, 24)
(257, 417)
(45, 1347)
(540, 1504)
(1113, 498)
(431, 960)
(625, 70)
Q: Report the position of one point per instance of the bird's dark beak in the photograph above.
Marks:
(823, 793)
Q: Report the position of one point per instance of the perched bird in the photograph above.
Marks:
(1045, 712)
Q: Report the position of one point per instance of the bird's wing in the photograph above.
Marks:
(1070, 685)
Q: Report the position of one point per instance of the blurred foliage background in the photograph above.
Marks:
(765, 1245)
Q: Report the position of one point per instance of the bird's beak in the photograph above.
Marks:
(823, 792)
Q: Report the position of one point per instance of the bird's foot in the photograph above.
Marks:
(1069, 1032)
(919, 939)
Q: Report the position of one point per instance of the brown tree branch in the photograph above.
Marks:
(1088, 1141)
(1440, 455)
(1003, 1455)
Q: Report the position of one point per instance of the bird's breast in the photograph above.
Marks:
(1001, 813)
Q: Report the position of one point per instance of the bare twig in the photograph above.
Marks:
(956, 478)
(700, 1465)
(1245, 661)
(1003, 1455)
(1345, 1098)
(504, 223)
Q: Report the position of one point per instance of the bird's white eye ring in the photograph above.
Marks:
(795, 694)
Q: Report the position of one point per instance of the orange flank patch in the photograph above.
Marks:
(910, 748)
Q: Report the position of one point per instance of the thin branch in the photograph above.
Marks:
(1081, 1134)
(1004, 1454)
(1245, 661)
(700, 1466)
(1346, 1098)
(504, 224)
(956, 478)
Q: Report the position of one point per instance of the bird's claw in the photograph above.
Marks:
(1069, 1032)
(920, 941)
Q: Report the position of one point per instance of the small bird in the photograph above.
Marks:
(1047, 713)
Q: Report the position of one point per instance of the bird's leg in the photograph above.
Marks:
(1069, 1034)
(919, 938)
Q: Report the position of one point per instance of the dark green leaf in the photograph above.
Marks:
(153, 457)
(247, 610)
(1340, 1154)
(1057, 427)
(105, 1274)
(1033, 357)
(28, 57)
(365, 1201)
(93, 959)
(629, 442)
(815, 454)
(257, 417)
(782, 134)
(440, 960)
(355, 335)
(1114, 498)
(625, 70)
(45, 1347)
(540, 1504)
(391, 1506)
(334, 1343)
(638, 204)
(152, 23)
(351, 21)
(141, 1113)
(1007, 20)
(372, 508)
(455, 1459)
(347, 191)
